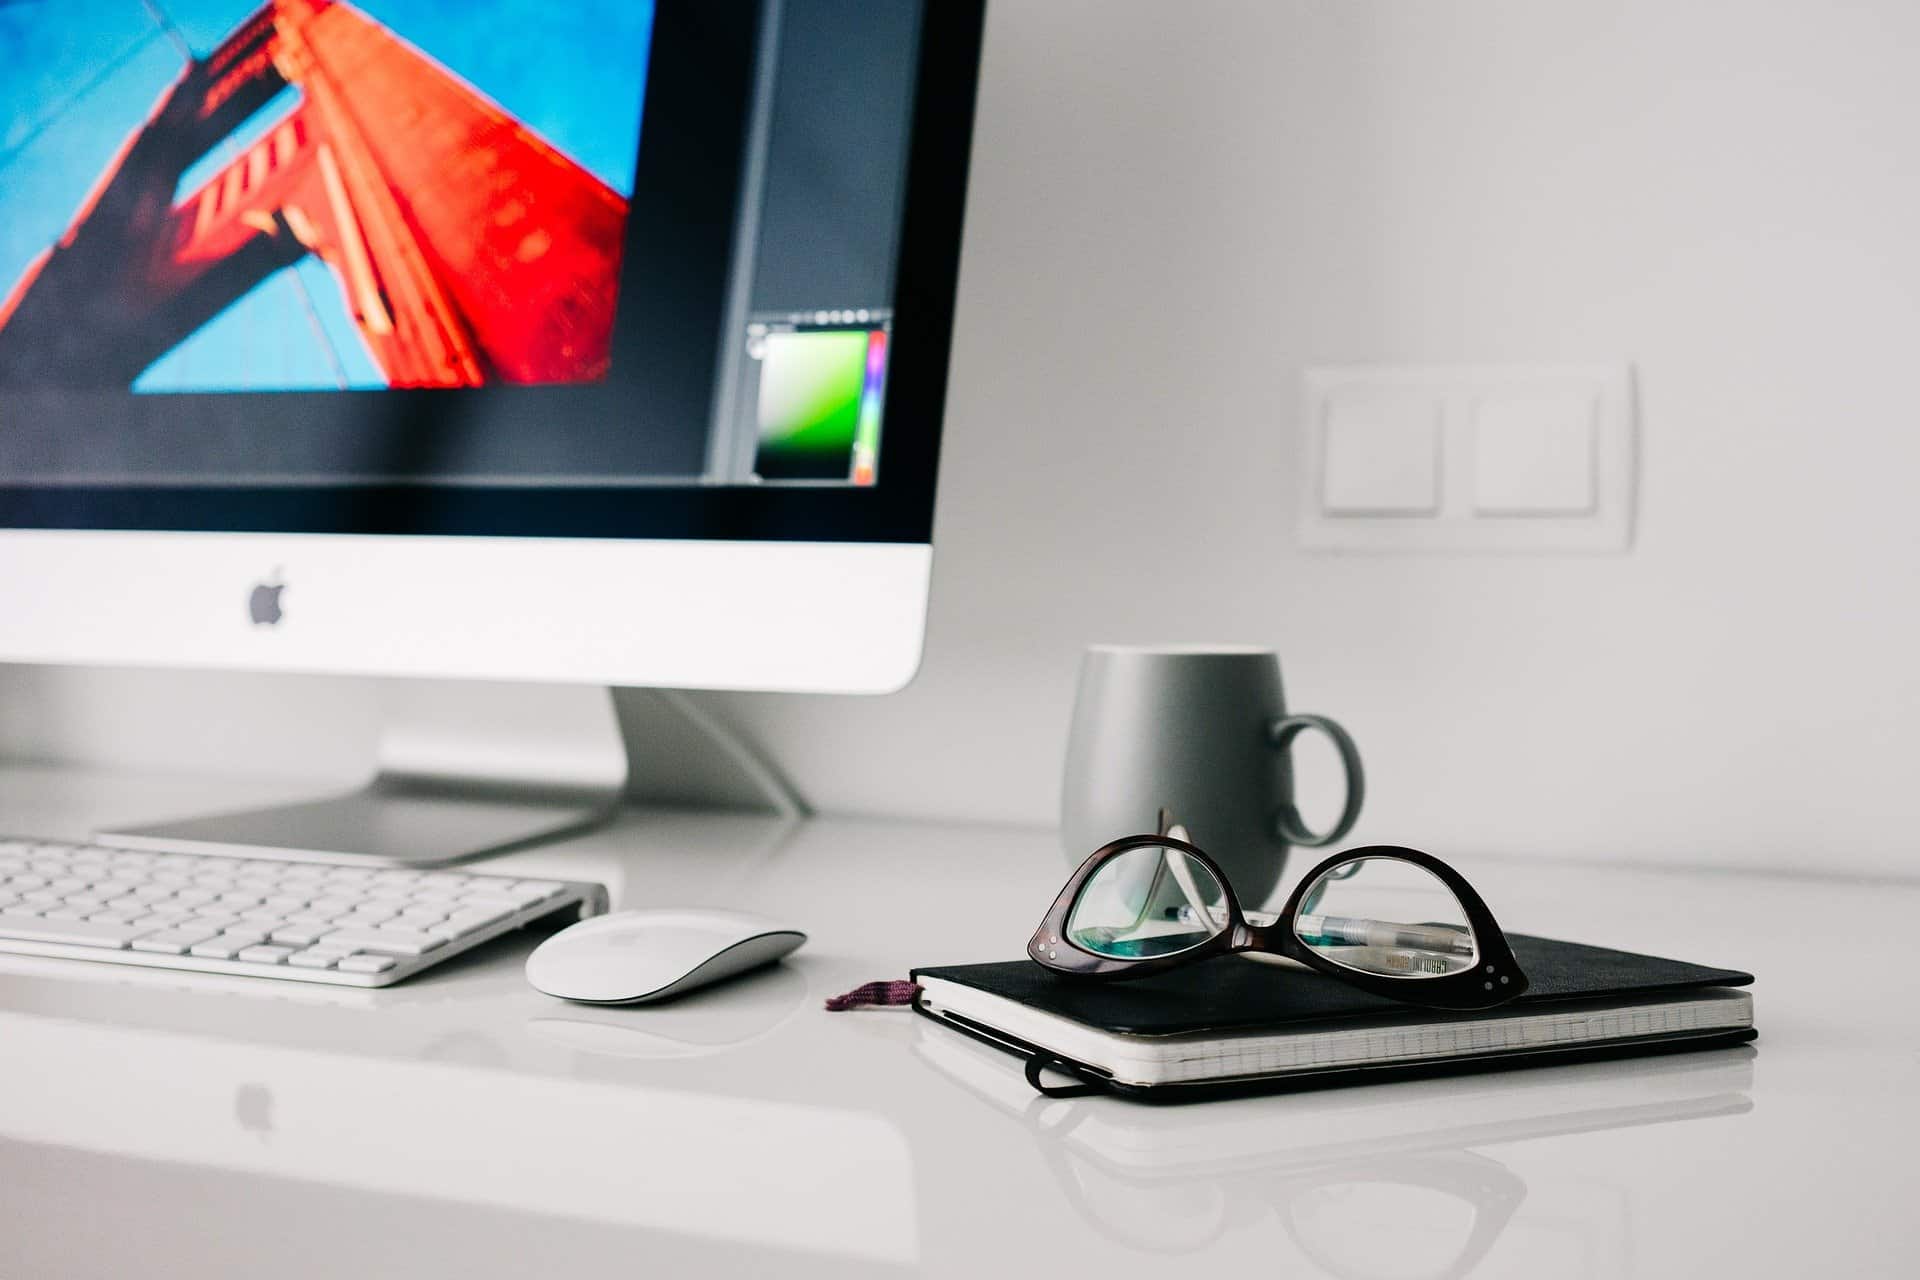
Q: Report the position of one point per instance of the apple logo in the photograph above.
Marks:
(263, 606)
(253, 1108)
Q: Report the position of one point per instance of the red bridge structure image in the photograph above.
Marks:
(468, 250)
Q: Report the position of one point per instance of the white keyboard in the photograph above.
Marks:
(302, 921)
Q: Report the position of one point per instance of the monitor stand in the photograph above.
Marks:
(469, 769)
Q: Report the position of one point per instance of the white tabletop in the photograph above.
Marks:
(180, 1125)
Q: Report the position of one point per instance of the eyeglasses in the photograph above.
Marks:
(1392, 921)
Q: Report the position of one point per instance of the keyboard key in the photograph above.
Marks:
(366, 964)
(490, 902)
(392, 942)
(221, 948)
(265, 955)
(76, 933)
(461, 923)
(174, 943)
(295, 935)
(314, 959)
(163, 919)
(64, 912)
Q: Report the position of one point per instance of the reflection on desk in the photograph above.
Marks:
(728, 1017)
(494, 1159)
(1367, 1182)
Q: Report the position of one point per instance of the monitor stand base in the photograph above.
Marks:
(465, 770)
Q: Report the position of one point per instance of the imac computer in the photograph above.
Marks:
(570, 346)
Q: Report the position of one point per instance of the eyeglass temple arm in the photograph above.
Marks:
(1183, 876)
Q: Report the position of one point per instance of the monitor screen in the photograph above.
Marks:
(615, 268)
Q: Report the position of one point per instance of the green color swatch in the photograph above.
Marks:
(810, 388)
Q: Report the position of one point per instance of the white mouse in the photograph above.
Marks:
(632, 957)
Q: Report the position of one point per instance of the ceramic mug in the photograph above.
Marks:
(1201, 731)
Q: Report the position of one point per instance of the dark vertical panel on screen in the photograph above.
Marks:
(830, 224)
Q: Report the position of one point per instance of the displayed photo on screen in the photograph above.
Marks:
(308, 195)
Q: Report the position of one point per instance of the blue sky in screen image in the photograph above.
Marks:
(78, 76)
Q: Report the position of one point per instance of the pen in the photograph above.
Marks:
(1349, 931)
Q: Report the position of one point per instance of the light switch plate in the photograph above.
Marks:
(1524, 458)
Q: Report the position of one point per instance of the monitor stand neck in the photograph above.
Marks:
(468, 769)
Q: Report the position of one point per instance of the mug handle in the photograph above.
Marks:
(1280, 736)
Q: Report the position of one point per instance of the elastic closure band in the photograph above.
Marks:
(1047, 1062)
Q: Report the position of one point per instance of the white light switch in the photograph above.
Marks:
(1533, 453)
(1381, 454)
(1468, 458)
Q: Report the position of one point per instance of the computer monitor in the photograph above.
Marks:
(601, 343)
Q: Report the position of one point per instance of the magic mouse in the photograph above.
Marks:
(633, 957)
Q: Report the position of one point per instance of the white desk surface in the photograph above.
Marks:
(462, 1124)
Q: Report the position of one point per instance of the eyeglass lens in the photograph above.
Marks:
(1386, 916)
(1150, 901)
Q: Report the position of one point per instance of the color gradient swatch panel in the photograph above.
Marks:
(812, 388)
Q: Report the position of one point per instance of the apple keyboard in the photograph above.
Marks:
(346, 925)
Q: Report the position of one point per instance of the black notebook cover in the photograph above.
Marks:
(1232, 994)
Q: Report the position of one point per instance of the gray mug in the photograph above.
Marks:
(1201, 731)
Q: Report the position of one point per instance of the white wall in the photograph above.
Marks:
(1177, 207)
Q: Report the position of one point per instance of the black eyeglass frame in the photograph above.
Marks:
(1494, 979)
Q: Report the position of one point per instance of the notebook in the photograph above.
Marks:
(1234, 1024)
